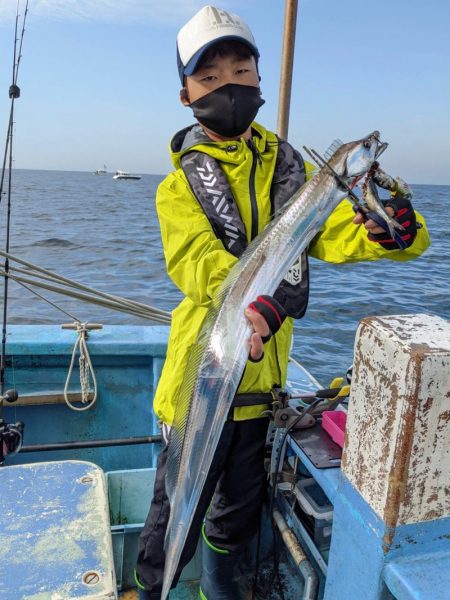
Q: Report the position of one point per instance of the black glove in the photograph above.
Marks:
(273, 313)
(404, 215)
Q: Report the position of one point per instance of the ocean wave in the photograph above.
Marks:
(121, 253)
(55, 243)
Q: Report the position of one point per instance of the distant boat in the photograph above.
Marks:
(101, 171)
(125, 175)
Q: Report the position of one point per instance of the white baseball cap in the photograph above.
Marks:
(207, 27)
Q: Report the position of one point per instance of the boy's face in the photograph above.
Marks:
(219, 71)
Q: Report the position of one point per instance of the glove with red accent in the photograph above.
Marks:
(404, 215)
(272, 311)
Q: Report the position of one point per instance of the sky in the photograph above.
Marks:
(99, 82)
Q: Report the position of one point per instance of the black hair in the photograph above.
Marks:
(225, 48)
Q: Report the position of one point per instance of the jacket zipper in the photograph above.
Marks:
(254, 206)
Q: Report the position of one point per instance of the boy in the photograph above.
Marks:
(205, 228)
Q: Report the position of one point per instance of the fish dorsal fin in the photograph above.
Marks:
(332, 148)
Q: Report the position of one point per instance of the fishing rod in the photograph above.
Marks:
(14, 90)
(11, 435)
(14, 93)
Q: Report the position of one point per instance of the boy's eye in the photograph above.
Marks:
(208, 78)
(243, 70)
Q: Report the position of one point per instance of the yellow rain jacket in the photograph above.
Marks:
(198, 262)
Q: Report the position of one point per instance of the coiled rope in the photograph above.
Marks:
(85, 364)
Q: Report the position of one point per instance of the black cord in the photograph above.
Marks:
(276, 572)
(276, 564)
(258, 555)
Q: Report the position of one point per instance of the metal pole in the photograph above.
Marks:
(287, 63)
(132, 441)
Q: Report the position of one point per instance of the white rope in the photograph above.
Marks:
(85, 364)
(36, 276)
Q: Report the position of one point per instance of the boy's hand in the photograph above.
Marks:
(404, 215)
(260, 329)
(372, 227)
(402, 210)
(266, 316)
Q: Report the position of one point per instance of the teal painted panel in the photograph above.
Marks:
(127, 362)
(112, 339)
(420, 577)
(130, 494)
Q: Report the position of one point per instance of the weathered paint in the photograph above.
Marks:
(55, 532)
(127, 361)
(391, 527)
(360, 567)
(419, 577)
(397, 450)
(356, 558)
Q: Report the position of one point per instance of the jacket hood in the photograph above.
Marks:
(193, 137)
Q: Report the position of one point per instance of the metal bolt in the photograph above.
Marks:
(91, 578)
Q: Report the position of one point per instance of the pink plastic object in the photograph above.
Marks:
(333, 421)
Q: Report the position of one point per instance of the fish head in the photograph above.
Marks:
(354, 159)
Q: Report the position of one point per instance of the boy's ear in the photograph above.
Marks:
(184, 97)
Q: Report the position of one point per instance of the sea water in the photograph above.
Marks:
(105, 234)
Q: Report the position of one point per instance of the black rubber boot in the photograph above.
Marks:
(216, 582)
(143, 594)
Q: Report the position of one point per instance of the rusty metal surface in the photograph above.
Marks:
(397, 451)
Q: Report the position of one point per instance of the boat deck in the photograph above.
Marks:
(128, 595)
(74, 504)
(184, 591)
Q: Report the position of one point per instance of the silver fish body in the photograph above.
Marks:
(373, 202)
(218, 358)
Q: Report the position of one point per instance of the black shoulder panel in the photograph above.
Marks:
(210, 187)
(289, 175)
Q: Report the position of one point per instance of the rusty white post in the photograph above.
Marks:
(396, 460)
(397, 453)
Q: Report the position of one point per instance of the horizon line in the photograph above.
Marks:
(157, 174)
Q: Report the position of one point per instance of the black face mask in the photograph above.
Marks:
(228, 110)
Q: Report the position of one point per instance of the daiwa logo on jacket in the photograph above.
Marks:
(220, 203)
